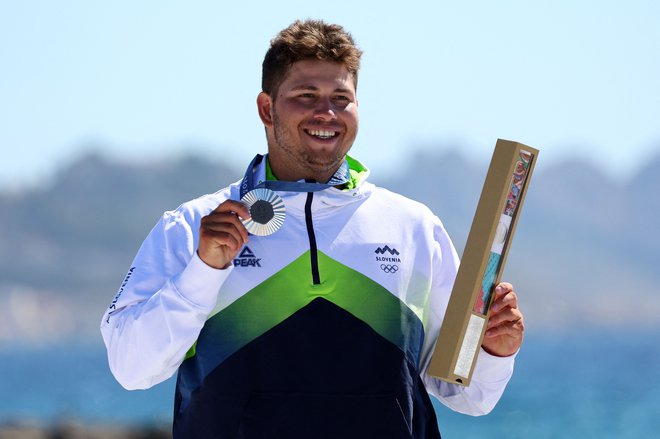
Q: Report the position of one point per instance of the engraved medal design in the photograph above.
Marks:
(267, 211)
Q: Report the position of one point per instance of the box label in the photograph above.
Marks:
(470, 346)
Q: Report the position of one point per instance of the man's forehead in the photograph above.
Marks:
(314, 74)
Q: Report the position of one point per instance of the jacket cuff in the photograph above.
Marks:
(490, 368)
(200, 283)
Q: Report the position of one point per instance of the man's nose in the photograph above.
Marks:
(325, 110)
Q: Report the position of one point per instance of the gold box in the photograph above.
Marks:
(485, 253)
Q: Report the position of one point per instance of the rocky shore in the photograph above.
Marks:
(75, 430)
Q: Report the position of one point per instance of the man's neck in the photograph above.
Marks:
(275, 172)
(357, 172)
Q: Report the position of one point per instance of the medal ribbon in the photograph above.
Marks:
(342, 176)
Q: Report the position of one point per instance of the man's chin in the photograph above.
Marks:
(325, 156)
(323, 170)
(325, 164)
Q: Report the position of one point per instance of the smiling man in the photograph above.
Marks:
(302, 301)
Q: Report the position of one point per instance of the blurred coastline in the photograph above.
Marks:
(77, 430)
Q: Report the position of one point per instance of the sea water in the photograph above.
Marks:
(593, 384)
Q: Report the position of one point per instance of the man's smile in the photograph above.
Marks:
(321, 134)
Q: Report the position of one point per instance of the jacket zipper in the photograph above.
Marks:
(313, 252)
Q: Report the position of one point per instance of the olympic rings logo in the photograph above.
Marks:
(387, 268)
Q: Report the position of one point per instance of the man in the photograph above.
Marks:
(323, 329)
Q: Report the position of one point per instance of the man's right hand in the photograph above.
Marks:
(222, 234)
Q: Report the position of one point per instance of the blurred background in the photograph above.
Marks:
(113, 112)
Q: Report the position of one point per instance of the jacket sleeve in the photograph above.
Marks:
(162, 305)
(491, 374)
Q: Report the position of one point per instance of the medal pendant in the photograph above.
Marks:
(267, 211)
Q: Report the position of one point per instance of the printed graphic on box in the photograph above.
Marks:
(519, 176)
(501, 234)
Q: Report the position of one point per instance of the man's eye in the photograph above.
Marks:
(306, 95)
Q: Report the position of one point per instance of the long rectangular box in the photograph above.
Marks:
(485, 253)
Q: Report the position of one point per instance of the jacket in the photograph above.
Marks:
(323, 329)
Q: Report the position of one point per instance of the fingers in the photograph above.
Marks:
(508, 321)
(222, 234)
(504, 333)
(505, 297)
(513, 329)
(224, 228)
(233, 206)
(505, 306)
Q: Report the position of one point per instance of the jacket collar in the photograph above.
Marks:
(331, 197)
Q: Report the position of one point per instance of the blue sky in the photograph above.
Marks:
(142, 79)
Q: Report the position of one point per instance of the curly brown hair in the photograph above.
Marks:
(305, 40)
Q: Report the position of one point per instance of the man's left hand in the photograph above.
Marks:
(504, 333)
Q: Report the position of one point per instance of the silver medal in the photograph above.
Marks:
(267, 211)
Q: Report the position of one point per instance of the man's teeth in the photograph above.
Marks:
(323, 134)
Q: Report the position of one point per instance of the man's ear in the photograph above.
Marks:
(265, 108)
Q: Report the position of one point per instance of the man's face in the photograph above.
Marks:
(312, 122)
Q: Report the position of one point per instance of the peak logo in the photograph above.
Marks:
(246, 253)
(247, 259)
(382, 250)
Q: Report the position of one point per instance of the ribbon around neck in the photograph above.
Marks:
(340, 177)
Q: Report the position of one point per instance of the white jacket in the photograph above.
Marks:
(365, 258)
